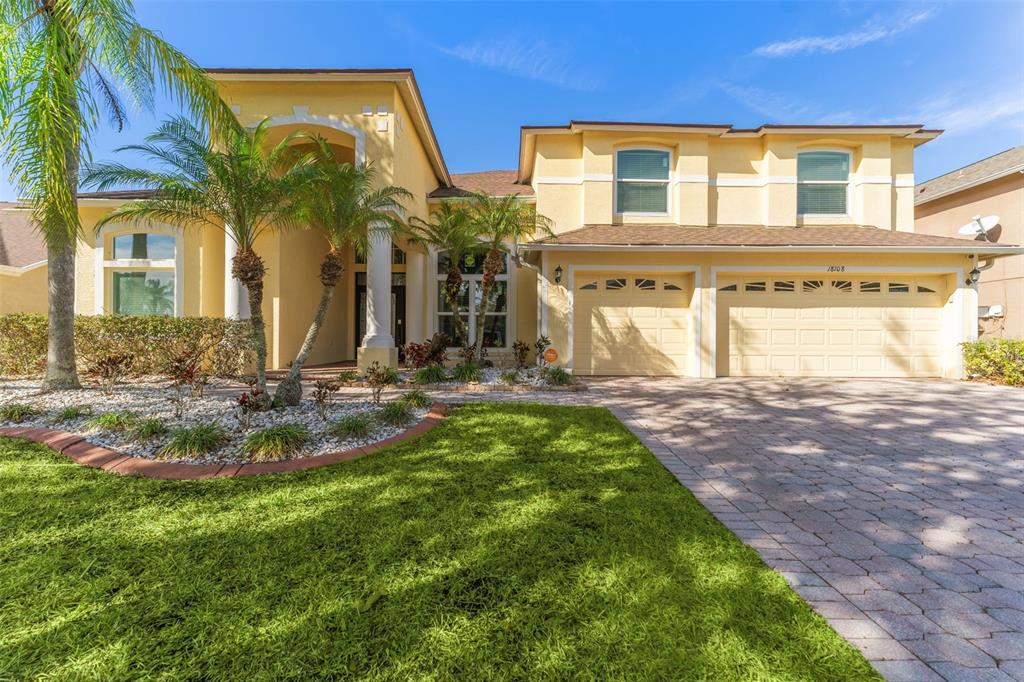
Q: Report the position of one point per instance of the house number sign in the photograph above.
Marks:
(836, 268)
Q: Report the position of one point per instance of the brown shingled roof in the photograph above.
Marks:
(758, 236)
(496, 183)
(119, 194)
(20, 244)
(991, 168)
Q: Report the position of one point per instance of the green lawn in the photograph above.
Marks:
(513, 541)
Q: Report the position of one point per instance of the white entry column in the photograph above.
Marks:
(415, 281)
(378, 344)
(236, 299)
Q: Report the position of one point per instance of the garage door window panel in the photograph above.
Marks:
(784, 286)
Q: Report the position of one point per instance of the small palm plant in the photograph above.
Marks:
(501, 221)
(63, 63)
(236, 185)
(340, 201)
(450, 231)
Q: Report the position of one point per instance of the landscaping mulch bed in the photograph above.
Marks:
(147, 399)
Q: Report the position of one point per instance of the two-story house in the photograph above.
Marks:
(690, 250)
(707, 250)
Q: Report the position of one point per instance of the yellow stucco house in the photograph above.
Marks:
(989, 191)
(679, 249)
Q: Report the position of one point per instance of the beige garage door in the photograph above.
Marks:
(830, 327)
(629, 323)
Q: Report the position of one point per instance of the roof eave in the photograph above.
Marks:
(967, 250)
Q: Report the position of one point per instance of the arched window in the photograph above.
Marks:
(823, 182)
(641, 181)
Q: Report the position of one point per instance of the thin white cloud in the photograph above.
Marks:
(871, 32)
(961, 110)
(535, 60)
(784, 107)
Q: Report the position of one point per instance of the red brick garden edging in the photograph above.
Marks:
(99, 457)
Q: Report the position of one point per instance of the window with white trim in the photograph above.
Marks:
(823, 182)
(142, 274)
(496, 324)
(641, 181)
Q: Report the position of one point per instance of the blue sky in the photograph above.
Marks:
(487, 68)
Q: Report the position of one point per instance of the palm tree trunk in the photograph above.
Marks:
(290, 390)
(491, 264)
(248, 268)
(259, 333)
(61, 372)
(61, 365)
(452, 287)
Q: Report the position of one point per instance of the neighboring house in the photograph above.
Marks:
(990, 187)
(692, 250)
(22, 263)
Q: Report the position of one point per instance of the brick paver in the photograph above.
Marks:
(894, 507)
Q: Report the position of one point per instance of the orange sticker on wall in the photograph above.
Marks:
(550, 355)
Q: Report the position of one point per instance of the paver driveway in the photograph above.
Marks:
(896, 508)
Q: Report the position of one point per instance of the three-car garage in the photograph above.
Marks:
(769, 323)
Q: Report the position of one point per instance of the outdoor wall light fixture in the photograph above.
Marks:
(558, 274)
(972, 277)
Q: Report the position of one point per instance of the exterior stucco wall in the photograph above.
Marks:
(721, 180)
(24, 292)
(1003, 283)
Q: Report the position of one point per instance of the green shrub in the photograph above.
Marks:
(557, 376)
(396, 413)
(509, 378)
(118, 421)
(352, 426)
(1000, 360)
(18, 412)
(378, 377)
(194, 441)
(147, 429)
(150, 340)
(276, 442)
(466, 372)
(347, 377)
(431, 374)
(71, 413)
(416, 398)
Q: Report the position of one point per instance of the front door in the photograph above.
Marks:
(397, 310)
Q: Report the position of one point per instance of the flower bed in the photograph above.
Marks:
(138, 419)
(489, 379)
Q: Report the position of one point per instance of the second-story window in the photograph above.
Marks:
(641, 181)
(823, 180)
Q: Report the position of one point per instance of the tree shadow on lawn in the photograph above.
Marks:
(512, 541)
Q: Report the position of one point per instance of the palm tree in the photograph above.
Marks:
(451, 231)
(500, 221)
(62, 64)
(339, 201)
(237, 186)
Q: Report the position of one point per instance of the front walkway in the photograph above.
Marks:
(895, 507)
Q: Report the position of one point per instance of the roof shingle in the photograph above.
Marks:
(992, 168)
(754, 236)
(20, 243)
(496, 183)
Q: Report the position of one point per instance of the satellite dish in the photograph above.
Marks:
(979, 226)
